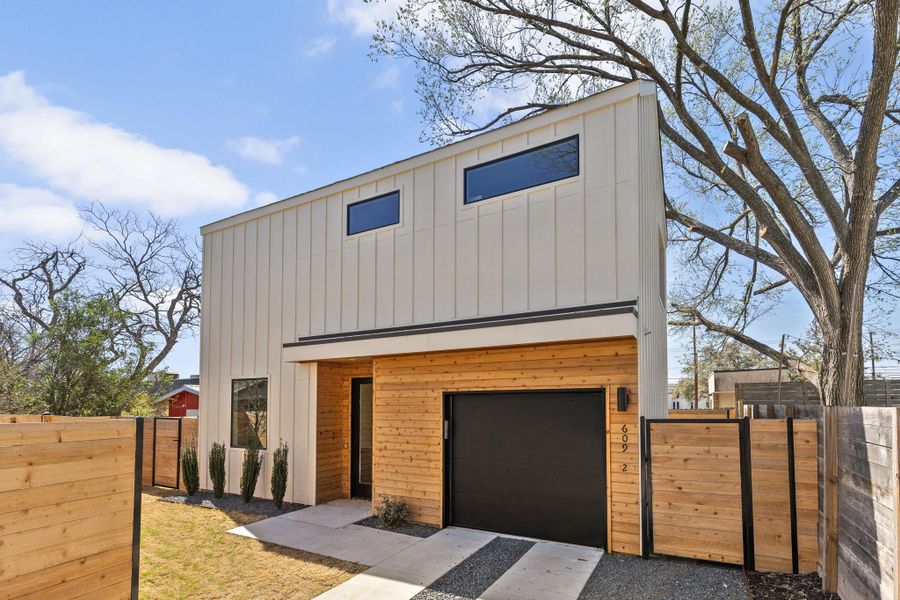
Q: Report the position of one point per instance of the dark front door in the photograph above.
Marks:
(528, 463)
(361, 446)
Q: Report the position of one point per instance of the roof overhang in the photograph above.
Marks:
(185, 388)
(581, 323)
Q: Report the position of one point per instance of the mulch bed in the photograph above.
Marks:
(413, 529)
(233, 502)
(783, 586)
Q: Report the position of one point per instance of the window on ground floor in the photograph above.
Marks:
(249, 411)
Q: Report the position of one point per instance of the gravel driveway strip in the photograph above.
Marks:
(472, 576)
(619, 577)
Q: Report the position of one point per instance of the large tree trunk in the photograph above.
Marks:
(841, 376)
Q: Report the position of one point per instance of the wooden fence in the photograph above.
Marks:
(163, 440)
(860, 501)
(70, 508)
(877, 392)
(731, 491)
(702, 413)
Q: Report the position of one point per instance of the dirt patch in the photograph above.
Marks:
(783, 586)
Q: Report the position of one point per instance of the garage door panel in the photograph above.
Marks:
(533, 409)
(547, 521)
(539, 446)
(530, 464)
(575, 487)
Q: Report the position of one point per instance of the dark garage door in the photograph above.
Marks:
(528, 463)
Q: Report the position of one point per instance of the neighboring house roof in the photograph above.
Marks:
(186, 384)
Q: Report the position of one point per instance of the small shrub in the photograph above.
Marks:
(190, 472)
(279, 474)
(392, 511)
(250, 469)
(217, 468)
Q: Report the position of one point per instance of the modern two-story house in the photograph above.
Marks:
(475, 330)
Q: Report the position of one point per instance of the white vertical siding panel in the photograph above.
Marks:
(600, 245)
(263, 293)
(445, 198)
(317, 294)
(334, 230)
(403, 279)
(384, 279)
(540, 136)
(318, 220)
(304, 268)
(466, 268)
(490, 260)
(349, 287)
(423, 276)
(628, 240)
(221, 386)
(289, 278)
(541, 250)
(514, 144)
(423, 198)
(248, 350)
(570, 250)
(444, 272)
(333, 294)
(515, 255)
(627, 141)
(237, 299)
(599, 148)
(367, 283)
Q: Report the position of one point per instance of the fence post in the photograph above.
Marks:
(646, 531)
(746, 494)
(831, 482)
(136, 518)
(896, 468)
(792, 490)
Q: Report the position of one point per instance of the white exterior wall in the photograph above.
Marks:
(287, 270)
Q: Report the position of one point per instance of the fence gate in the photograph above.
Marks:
(696, 490)
(166, 450)
(736, 491)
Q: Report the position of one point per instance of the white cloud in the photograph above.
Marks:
(38, 213)
(93, 160)
(363, 17)
(387, 78)
(263, 198)
(319, 46)
(267, 152)
(397, 106)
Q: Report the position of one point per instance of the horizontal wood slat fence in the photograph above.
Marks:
(163, 440)
(732, 491)
(69, 507)
(877, 392)
(701, 413)
(859, 487)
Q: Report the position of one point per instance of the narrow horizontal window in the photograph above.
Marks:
(373, 213)
(544, 164)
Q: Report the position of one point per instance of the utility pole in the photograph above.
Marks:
(780, 365)
(696, 373)
(872, 352)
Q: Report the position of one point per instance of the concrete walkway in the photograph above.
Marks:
(402, 566)
(328, 529)
(549, 571)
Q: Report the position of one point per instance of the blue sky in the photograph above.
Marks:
(236, 104)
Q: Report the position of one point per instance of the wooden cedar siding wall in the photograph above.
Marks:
(333, 427)
(408, 455)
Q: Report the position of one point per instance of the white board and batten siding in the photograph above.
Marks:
(288, 270)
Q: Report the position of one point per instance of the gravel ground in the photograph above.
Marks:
(413, 529)
(620, 577)
(782, 586)
(472, 576)
(257, 506)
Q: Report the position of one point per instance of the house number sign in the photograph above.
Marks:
(624, 445)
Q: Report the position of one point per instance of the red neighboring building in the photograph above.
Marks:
(183, 397)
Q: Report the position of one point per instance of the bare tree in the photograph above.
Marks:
(144, 264)
(154, 272)
(783, 118)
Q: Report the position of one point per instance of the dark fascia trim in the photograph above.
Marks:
(593, 310)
